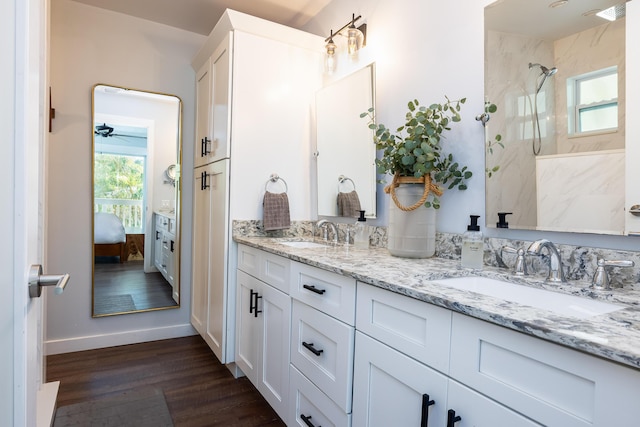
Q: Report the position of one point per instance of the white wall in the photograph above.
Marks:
(89, 46)
(428, 49)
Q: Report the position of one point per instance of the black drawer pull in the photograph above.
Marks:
(306, 419)
(309, 346)
(452, 418)
(426, 402)
(312, 288)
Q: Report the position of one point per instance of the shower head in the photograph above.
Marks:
(546, 71)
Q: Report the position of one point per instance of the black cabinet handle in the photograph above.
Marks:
(172, 245)
(157, 235)
(309, 346)
(306, 419)
(253, 303)
(203, 182)
(204, 146)
(426, 402)
(312, 288)
(452, 418)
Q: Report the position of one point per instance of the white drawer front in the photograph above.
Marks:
(274, 270)
(413, 327)
(249, 260)
(549, 383)
(309, 402)
(328, 292)
(322, 349)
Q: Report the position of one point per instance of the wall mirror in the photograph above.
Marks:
(136, 200)
(556, 72)
(345, 152)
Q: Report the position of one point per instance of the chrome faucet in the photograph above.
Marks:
(556, 273)
(324, 224)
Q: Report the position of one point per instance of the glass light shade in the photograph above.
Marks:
(354, 39)
(330, 60)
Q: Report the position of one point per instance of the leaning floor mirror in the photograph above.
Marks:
(136, 160)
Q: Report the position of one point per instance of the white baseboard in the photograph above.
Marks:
(70, 345)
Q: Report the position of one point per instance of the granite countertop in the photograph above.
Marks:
(614, 336)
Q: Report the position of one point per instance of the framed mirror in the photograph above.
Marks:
(136, 200)
(556, 143)
(346, 171)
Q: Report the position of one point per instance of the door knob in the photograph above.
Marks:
(37, 280)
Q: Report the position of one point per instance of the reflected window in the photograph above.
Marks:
(593, 97)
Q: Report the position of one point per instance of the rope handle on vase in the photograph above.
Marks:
(428, 187)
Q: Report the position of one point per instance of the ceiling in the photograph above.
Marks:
(539, 19)
(200, 16)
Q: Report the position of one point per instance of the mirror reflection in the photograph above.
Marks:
(556, 144)
(346, 171)
(136, 200)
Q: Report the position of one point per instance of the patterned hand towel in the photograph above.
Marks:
(276, 211)
(349, 204)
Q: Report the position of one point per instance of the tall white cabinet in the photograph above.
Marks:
(256, 83)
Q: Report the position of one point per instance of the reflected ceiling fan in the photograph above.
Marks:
(105, 131)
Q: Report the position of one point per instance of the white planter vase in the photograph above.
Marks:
(411, 234)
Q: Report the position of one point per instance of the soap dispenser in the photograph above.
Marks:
(361, 233)
(472, 245)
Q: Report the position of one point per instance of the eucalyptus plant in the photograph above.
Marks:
(415, 149)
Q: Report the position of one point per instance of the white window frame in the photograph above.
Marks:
(573, 95)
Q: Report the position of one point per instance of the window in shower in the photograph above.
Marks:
(592, 100)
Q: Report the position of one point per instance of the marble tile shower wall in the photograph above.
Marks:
(579, 261)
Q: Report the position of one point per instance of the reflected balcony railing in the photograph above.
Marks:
(130, 212)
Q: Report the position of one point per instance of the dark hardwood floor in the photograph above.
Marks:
(124, 287)
(198, 389)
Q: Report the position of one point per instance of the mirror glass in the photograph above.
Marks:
(345, 149)
(556, 143)
(136, 200)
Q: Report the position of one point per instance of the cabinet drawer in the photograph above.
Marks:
(171, 226)
(274, 270)
(415, 328)
(551, 384)
(322, 349)
(329, 292)
(308, 401)
(162, 223)
(249, 260)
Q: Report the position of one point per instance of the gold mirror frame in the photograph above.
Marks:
(120, 287)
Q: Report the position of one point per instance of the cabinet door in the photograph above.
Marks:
(273, 368)
(247, 325)
(157, 249)
(203, 116)
(217, 308)
(200, 250)
(479, 411)
(391, 389)
(220, 99)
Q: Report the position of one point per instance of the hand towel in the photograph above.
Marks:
(349, 204)
(275, 211)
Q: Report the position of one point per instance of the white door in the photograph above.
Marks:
(23, 26)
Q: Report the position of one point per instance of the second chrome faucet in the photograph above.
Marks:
(556, 271)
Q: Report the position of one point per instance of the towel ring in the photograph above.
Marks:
(275, 178)
(342, 179)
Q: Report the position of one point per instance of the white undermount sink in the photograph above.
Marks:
(303, 244)
(564, 304)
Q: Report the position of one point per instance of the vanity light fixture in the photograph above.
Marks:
(356, 37)
(331, 55)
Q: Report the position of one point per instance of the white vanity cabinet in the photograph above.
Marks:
(263, 324)
(551, 384)
(164, 248)
(255, 83)
(322, 345)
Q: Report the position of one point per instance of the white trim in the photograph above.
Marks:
(118, 338)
